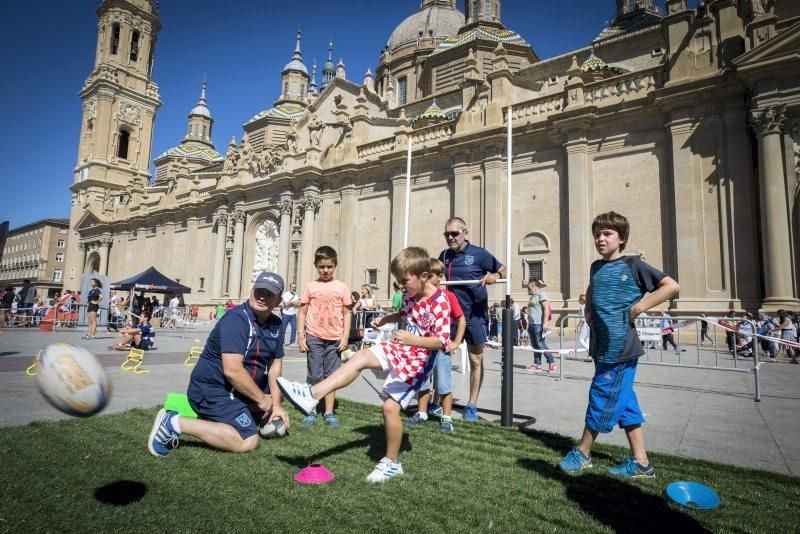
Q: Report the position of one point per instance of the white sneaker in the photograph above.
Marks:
(385, 470)
(298, 394)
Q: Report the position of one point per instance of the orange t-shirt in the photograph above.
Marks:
(325, 317)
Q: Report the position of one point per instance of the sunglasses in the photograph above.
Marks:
(453, 234)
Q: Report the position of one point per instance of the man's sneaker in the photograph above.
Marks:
(415, 420)
(385, 470)
(470, 412)
(552, 368)
(632, 469)
(435, 410)
(332, 421)
(298, 394)
(575, 461)
(163, 436)
(535, 368)
(310, 420)
(446, 425)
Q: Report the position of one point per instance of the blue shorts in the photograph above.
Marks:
(476, 333)
(443, 373)
(612, 400)
(222, 407)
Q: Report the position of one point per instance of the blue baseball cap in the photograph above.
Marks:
(272, 282)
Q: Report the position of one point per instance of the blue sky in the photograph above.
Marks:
(241, 46)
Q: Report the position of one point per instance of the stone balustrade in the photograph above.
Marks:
(376, 148)
(435, 132)
(539, 108)
(610, 91)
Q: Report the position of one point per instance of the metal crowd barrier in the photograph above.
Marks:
(681, 357)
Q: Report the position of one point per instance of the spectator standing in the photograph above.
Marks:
(465, 261)
(539, 314)
(517, 319)
(666, 332)
(397, 298)
(289, 305)
(494, 310)
(787, 329)
(26, 296)
(93, 300)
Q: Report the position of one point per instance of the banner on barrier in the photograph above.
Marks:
(649, 333)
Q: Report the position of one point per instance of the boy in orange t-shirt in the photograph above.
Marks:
(323, 325)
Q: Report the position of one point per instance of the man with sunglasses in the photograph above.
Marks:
(465, 261)
(235, 380)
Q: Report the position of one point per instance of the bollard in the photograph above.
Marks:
(507, 390)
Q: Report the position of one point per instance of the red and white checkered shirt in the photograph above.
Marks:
(427, 318)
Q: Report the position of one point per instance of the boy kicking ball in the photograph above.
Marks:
(616, 296)
(405, 361)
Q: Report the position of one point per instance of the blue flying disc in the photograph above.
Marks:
(693, 495)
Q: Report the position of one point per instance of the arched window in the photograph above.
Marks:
(476, 8)
(402, 91)
(487, 10)
(122, 145)
(134, 46)
(150, 57)
(114, 48)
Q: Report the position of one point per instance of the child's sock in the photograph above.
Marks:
(175, 422)
(447, 418)
(422, 415)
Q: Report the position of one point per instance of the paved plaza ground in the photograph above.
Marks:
(691, 412)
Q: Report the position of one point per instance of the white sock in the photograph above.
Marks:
(175, 422)
(423, 416)
(447, 418)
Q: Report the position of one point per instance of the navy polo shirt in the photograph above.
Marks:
(239, 332)
(472, 263)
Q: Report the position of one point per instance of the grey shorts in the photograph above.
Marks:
(323, 358)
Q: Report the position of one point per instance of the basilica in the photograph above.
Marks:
(685, 119)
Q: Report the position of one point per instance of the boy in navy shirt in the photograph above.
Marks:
(234, 381)
(615, 297)
(138, 337)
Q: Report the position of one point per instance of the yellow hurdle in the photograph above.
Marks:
(134, 362)
(33, 370)
(194, 355)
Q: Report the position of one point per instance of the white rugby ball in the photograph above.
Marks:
(275, 429)
(71, 379)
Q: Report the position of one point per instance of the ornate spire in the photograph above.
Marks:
(312, 86)
(328, 70)
(202, 106)
(233, 142)
(297, 58)
(340, 69)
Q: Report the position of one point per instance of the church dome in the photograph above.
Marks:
(442, 20)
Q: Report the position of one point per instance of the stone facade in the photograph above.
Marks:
(686, 121)
(37, 252)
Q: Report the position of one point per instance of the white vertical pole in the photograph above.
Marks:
(408, 194)
(508, 206)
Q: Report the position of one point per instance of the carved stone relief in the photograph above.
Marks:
(266, 253)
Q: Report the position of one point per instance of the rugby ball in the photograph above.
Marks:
(72, 380)
(275, 429)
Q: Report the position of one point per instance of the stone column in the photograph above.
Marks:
(347, 230)
(105, 246)
(219, 254)
(310, 206)
(768, 124)
(579, 202)
(235, 272)
(285, 238)
(83, 252)
(494, 214)
(689, 242)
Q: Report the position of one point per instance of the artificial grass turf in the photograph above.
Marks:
(482, 477)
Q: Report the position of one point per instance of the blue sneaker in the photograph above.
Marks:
(332, 421)
(310, 420)
(435, 410)
(446, 425)
(414, 420)
(470, 412)
(163, 436)
(632, 469)
(575, 461)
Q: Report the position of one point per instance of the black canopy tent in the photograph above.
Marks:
(151, 281)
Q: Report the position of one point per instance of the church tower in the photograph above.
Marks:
(294, 77)
(119, 108)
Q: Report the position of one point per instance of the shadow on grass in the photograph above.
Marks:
(120, 493)
(374, 438)
(555, 442)
(619, 505)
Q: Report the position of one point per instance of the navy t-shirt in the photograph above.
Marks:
(472, 263)
(616, 286)
(147, 335)
(239, 332)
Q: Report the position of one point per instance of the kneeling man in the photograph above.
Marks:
(235, 379)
